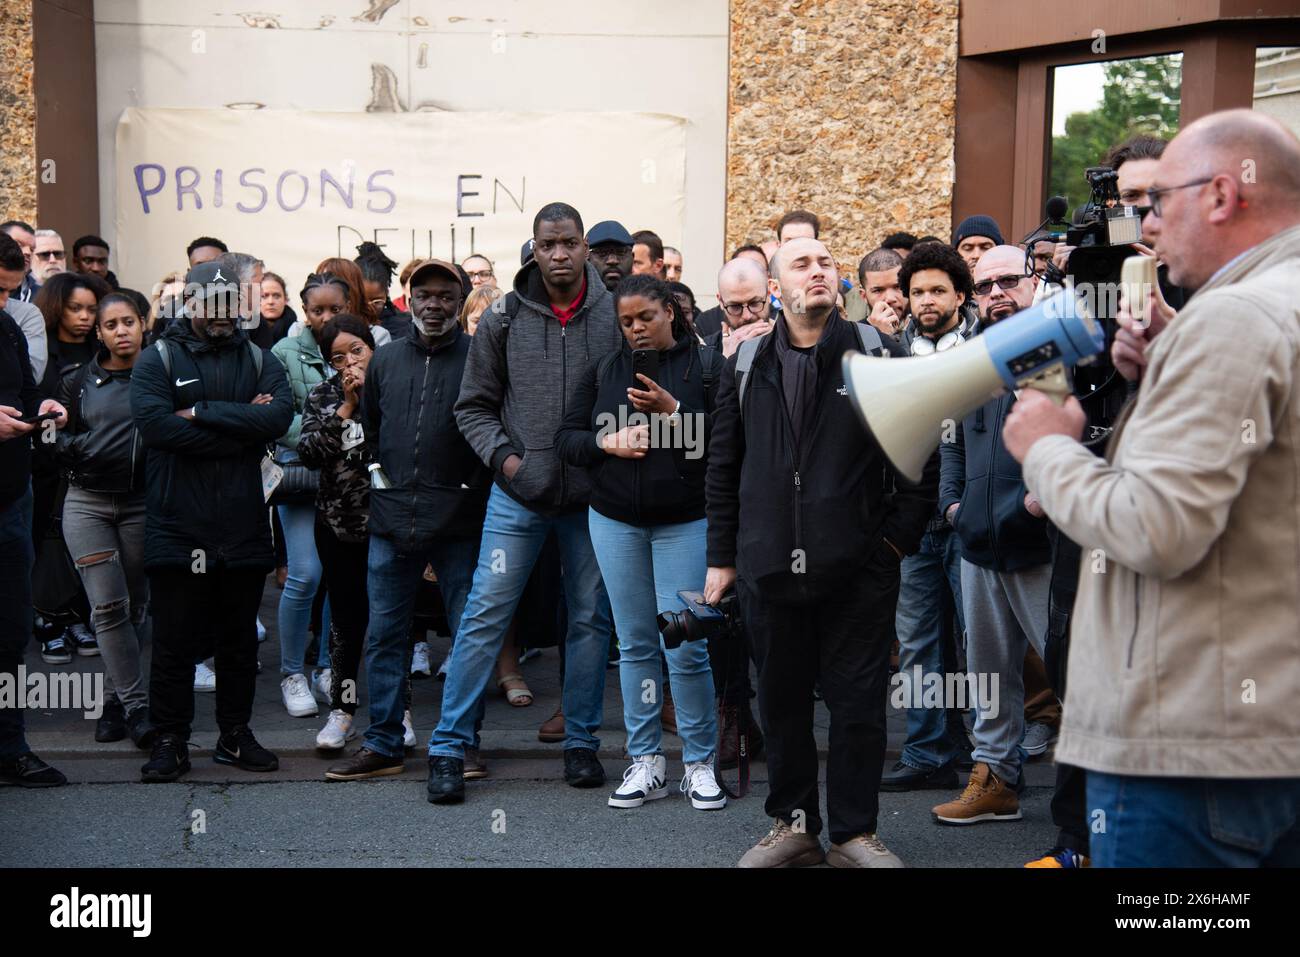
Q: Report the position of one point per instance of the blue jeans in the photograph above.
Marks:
(644, 569)
(1193, 822)
(16, 557)
(392, 580)
(929, 590)
(299, 522)
(513, 536)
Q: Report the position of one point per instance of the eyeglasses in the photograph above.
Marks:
(1153, 195)
(339, 359)
(378, 302)
(985, 286)
(737, 309)
(482, 274)
(49, 254)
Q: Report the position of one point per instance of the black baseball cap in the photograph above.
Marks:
(526, 253)
(609, 231)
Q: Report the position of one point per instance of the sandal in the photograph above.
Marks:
(518, 697)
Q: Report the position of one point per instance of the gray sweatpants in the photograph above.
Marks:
(1003, 611)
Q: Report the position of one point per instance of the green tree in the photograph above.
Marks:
(1138, 96)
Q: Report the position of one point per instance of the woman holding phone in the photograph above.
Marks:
(647, 524)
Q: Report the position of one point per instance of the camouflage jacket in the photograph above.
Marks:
(337, 447)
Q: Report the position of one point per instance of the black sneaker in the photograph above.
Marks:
(582, 769)
(168, 760)
(29, 771)
(84, 639)
(446, 780)
(57, 650)
(140, 728)
(111, 725)
(904, 777)
(240, 749)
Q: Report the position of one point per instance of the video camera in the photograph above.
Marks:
(699, 621)
(1105, 231)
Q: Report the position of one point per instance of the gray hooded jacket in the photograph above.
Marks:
(522, 373)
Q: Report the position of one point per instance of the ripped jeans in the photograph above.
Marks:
(105, 536)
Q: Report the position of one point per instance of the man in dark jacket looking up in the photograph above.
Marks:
(427, 507)
(809, 521)
(531, 354)
(206, 408)
(1006, 566)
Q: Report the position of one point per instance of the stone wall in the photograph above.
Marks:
(845, 108)
(18, 107)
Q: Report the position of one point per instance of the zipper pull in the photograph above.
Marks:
(796, 481)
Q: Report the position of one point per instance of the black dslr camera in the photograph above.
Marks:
(699, 621)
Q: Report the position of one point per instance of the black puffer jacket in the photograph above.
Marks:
(667, 486)
(204, 478)
(801, 520)
(439, 488)
(100, 447)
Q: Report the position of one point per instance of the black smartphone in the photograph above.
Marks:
(645, 362)
(34, 419)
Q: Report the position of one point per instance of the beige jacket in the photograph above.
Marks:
(1185, 649)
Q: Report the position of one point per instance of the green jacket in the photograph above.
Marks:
(305, 366)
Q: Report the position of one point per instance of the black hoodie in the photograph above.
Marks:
(203, 477)
(667, 486)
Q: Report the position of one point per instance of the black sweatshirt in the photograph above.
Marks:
(667, 486)
(18, 391)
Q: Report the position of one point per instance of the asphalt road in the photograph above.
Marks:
(521, 815)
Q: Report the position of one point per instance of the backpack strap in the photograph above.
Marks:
(744, 362)
(161, 346)
(870, 339)
(255, 351)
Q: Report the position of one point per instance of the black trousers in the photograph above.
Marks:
(1069, 798)
(344, 572)
(221, 603)
(843, 641)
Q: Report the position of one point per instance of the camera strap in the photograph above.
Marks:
(741, 737)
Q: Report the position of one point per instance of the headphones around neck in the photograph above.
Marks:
(923, 346)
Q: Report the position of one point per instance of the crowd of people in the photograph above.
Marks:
(589, 456)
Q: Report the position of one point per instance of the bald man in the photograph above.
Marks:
(1183, 671)
(744, 302)
(796, 502)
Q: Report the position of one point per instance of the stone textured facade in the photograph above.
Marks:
(845, 108)
(18, 174)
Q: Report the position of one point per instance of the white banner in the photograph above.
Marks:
(293, 188)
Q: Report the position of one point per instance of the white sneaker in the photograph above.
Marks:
(298, 700)
(645, 780)
(261, 630)
(408, 739)
(420, 660)
(701, 787)
(321, 681)
(337, 731)
(205, 679)
(442, 668)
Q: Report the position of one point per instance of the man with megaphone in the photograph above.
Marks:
(1183, 665)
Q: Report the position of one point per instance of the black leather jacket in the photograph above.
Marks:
(100, 448)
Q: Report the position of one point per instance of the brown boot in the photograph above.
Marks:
(552, 729)
(783, 847)
(986, 798)
(668, 714)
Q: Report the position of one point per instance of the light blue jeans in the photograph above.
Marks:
(299, 522)
(513, 536)
(644, 569)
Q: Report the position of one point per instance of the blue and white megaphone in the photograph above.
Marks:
(906, 403)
